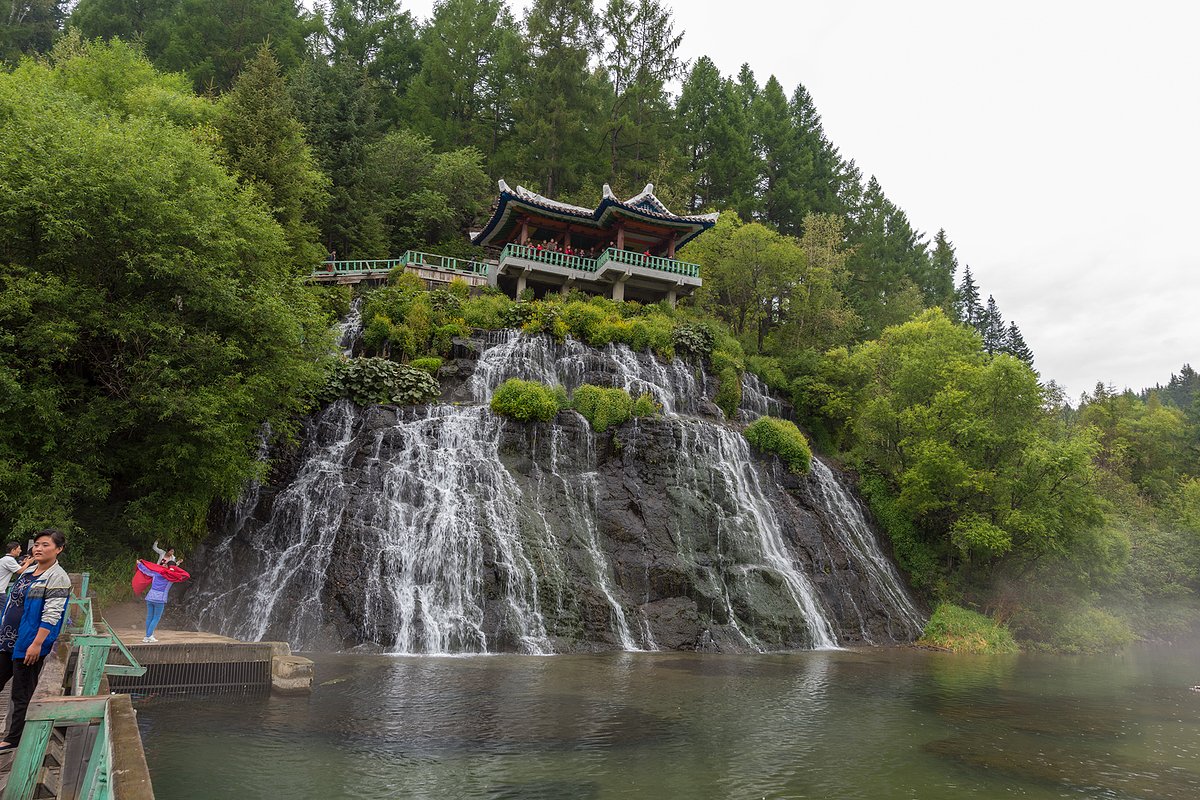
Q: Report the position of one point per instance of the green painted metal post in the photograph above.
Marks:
(27, 766)
(95, 782)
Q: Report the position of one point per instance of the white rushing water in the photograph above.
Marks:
(455, 552)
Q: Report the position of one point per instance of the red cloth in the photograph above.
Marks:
(173, 573)
(141, 582)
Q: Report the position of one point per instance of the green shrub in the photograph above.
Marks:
(587, 322)
(955, 628)
(431, 364)
(488, 311)
(693, 340)
(784, 439)
(409, 282)
(442, 341)
(371, 381)
(729, 391)
(769, 371)
(525, 401)
(914, 555)
(646, 406)
(460, 288)
(334, 300)
(515, 315)
(546, 319)
(1069, 625)
(602, 408)
(445, 302)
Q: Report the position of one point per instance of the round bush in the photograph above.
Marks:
(602, 408)
(784, 439)
(525, 401)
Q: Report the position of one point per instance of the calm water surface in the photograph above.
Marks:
(844, 724)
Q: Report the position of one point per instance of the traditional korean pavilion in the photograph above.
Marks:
(623, 249)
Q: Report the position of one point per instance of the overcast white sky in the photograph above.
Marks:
(1058, 143)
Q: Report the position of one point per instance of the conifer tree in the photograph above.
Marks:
(785, 165)
(967, 307)
(28, 27)
(556, 112)
(830, 184)
(376, 37)
(716, 139)
(266, 148)
(943, 264)
(992, 329)
(1015, 346)
(472, 61)
(640, 60)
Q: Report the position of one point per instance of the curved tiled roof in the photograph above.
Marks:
(644, 205)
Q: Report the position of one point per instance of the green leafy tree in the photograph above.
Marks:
(428, 198)
(151, 319)
(472, 63)
(555, 114)
(640, 60)
(265, 142)
(29, 27)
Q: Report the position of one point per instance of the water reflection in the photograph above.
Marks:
(845, 724)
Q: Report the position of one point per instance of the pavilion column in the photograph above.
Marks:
(524, 231)
(671, 248)
(621, 235)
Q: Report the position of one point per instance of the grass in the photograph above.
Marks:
(961, 631)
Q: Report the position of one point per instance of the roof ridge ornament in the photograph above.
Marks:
(504, 187)
(607, 193)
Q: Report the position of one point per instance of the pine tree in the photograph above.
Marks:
(1015, 346)
(376, 37)
(472, 61)
(556, 112)
(260, 132)
(967, 308)
(939, 281)
(29, 27)
(992, 329)
(695, 111)
(640, 60)
(785, 166)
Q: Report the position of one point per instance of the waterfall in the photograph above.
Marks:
(757, 400)
(351, 327)
(447, 529)
(849, 525)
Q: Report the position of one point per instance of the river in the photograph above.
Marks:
(877, 723)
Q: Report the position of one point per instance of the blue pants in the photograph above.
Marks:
(154, 613)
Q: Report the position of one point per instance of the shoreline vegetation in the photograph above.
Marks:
(165, 204)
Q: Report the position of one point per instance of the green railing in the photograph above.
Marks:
(648, 262)
(554, 257)
(357, 267)
(82, 708)
(415, 258)
(612, 254)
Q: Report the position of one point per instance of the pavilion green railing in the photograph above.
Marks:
(465, 266)
(95, 641)
(612, 254)
(648, 262)
(357, 266)
(553, 257)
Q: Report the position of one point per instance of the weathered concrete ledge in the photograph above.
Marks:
(187, 662)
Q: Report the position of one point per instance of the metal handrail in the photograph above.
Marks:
(554, 257)
(649, 262)
(415, 258)
(357, 266)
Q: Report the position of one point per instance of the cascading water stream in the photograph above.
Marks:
(849, 525)
(441, 530)
(351, 328)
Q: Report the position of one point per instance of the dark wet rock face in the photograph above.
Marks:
(447, 529)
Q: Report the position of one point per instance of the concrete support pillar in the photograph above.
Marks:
(520, 284)
(672, 297)
(618, 292)
(566, 287)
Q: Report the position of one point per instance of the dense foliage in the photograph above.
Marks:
(369, 381)
(151, 318)
(784, 439)
(526, 401)
(965, 631)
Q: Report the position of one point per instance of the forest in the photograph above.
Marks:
(171, 170)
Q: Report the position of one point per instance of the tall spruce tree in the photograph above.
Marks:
(784, 163)
(29, 27)
(939, 279)
(266, 148)
(376, 37)
(556, 113)
(640, 60)
(967, 308)
(992, 329)
(1015, 346)
(472, 61)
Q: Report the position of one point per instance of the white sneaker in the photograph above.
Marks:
(152, 639)
(146, 640)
